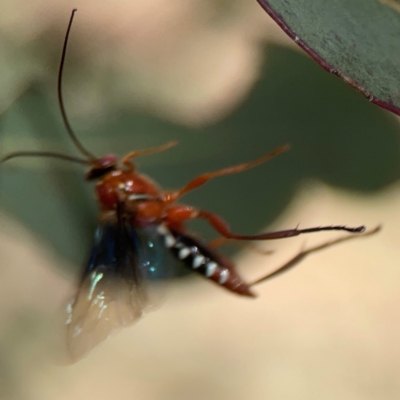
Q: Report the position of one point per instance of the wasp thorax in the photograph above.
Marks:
(125, 186)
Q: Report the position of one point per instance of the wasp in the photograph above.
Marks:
(138, 223)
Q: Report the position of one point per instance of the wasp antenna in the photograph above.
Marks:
(60, 156)
(71, 133)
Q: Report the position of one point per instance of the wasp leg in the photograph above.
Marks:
(172, 196)
(223, 240)
(176, 215)
(126, 160)
(304, 253)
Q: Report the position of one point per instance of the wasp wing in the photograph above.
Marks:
(113, 293)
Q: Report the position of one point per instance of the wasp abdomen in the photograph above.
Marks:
(203, 260)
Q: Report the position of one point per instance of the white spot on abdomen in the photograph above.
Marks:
(162, 230)
(211, 267)
(169, 240)
(198, 260)
(223, 276)
(184, 252)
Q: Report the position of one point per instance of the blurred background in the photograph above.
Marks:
(221, 78)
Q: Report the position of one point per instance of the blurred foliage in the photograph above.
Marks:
(358, 39)
(336, 137)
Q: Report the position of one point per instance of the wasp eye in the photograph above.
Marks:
(101, 167)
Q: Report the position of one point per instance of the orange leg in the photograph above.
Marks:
(126, 160)
(170, 197)
(218, 242)
(304, 253)
(222, 240)
(176, 215)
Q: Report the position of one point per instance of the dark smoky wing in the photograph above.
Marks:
(111, 294)
(154, 263)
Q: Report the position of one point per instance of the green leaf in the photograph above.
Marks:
(357, 40)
